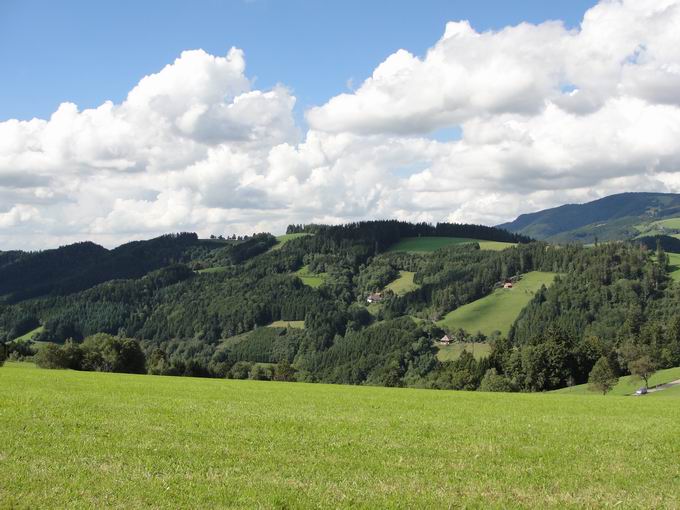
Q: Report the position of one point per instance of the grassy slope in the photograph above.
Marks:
(403, 284)
(216, 269)
(29, 335)
(284, 239)
(674, 260)
(452, 352)
(498, 310)
(311, 279)
(668, 223)
(287, 324)
(92, 440)
(628, 384)
(429, 244)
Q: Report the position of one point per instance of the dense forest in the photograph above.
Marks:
(186, 306)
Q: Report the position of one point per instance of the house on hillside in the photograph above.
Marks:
(445, 340)
(375, 297)
(507, 285)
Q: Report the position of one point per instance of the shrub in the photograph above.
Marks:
(51, 356)
(492, 381)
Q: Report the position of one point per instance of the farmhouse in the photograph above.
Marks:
(376, 297)
(445, 340)
(507, 285)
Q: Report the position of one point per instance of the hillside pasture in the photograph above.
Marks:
(427, 244)
(283, 239)
(674, 266)
(628, 384)
(671, 223)
(659, 227)
(216, 269)
(287, 324)
(498, 310)
(93, 440)
(453, 351)
(403, 284)
(29, 336)
(311, 279)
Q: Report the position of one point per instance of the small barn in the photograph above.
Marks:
(376, 297)
(445, 340)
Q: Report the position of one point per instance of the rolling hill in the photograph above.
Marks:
(616, 217)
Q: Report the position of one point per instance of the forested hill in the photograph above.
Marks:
(615, 217)
(262, 308)
(80, 266)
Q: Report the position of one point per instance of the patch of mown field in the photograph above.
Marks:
(674, 263)
(429, 244)
(403, 284)
(285, 238)
(498, 310)
(311, 279)
(669, 223)
(628, 384)
(216, 269)
(287, 324)
(29, 336)
(453, 351)
(77, 439)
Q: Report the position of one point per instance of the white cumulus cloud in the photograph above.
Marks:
(546, 114)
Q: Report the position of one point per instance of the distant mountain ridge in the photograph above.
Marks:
(616, 217)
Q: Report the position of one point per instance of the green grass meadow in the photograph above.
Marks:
(628, 384)
(92, 440)
(287, 324)
(674, 263)
(311, 279)
(673, 223)
(403, 284)
(453, 351)
(29, 335)
(498, 310)
(283, 239)
(429, 244)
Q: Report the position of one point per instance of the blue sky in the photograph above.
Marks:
(90, 51)
(327, 112)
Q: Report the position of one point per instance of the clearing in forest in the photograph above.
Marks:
(429, 244)
(281, 240)
(499, 310)
(311, 279)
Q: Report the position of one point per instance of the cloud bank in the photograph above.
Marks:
(546, 115)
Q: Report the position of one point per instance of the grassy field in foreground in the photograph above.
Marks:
(452, 351)
(403, 284)
(429, 244)
(498, 310)
(75, 439)
(628, 384)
